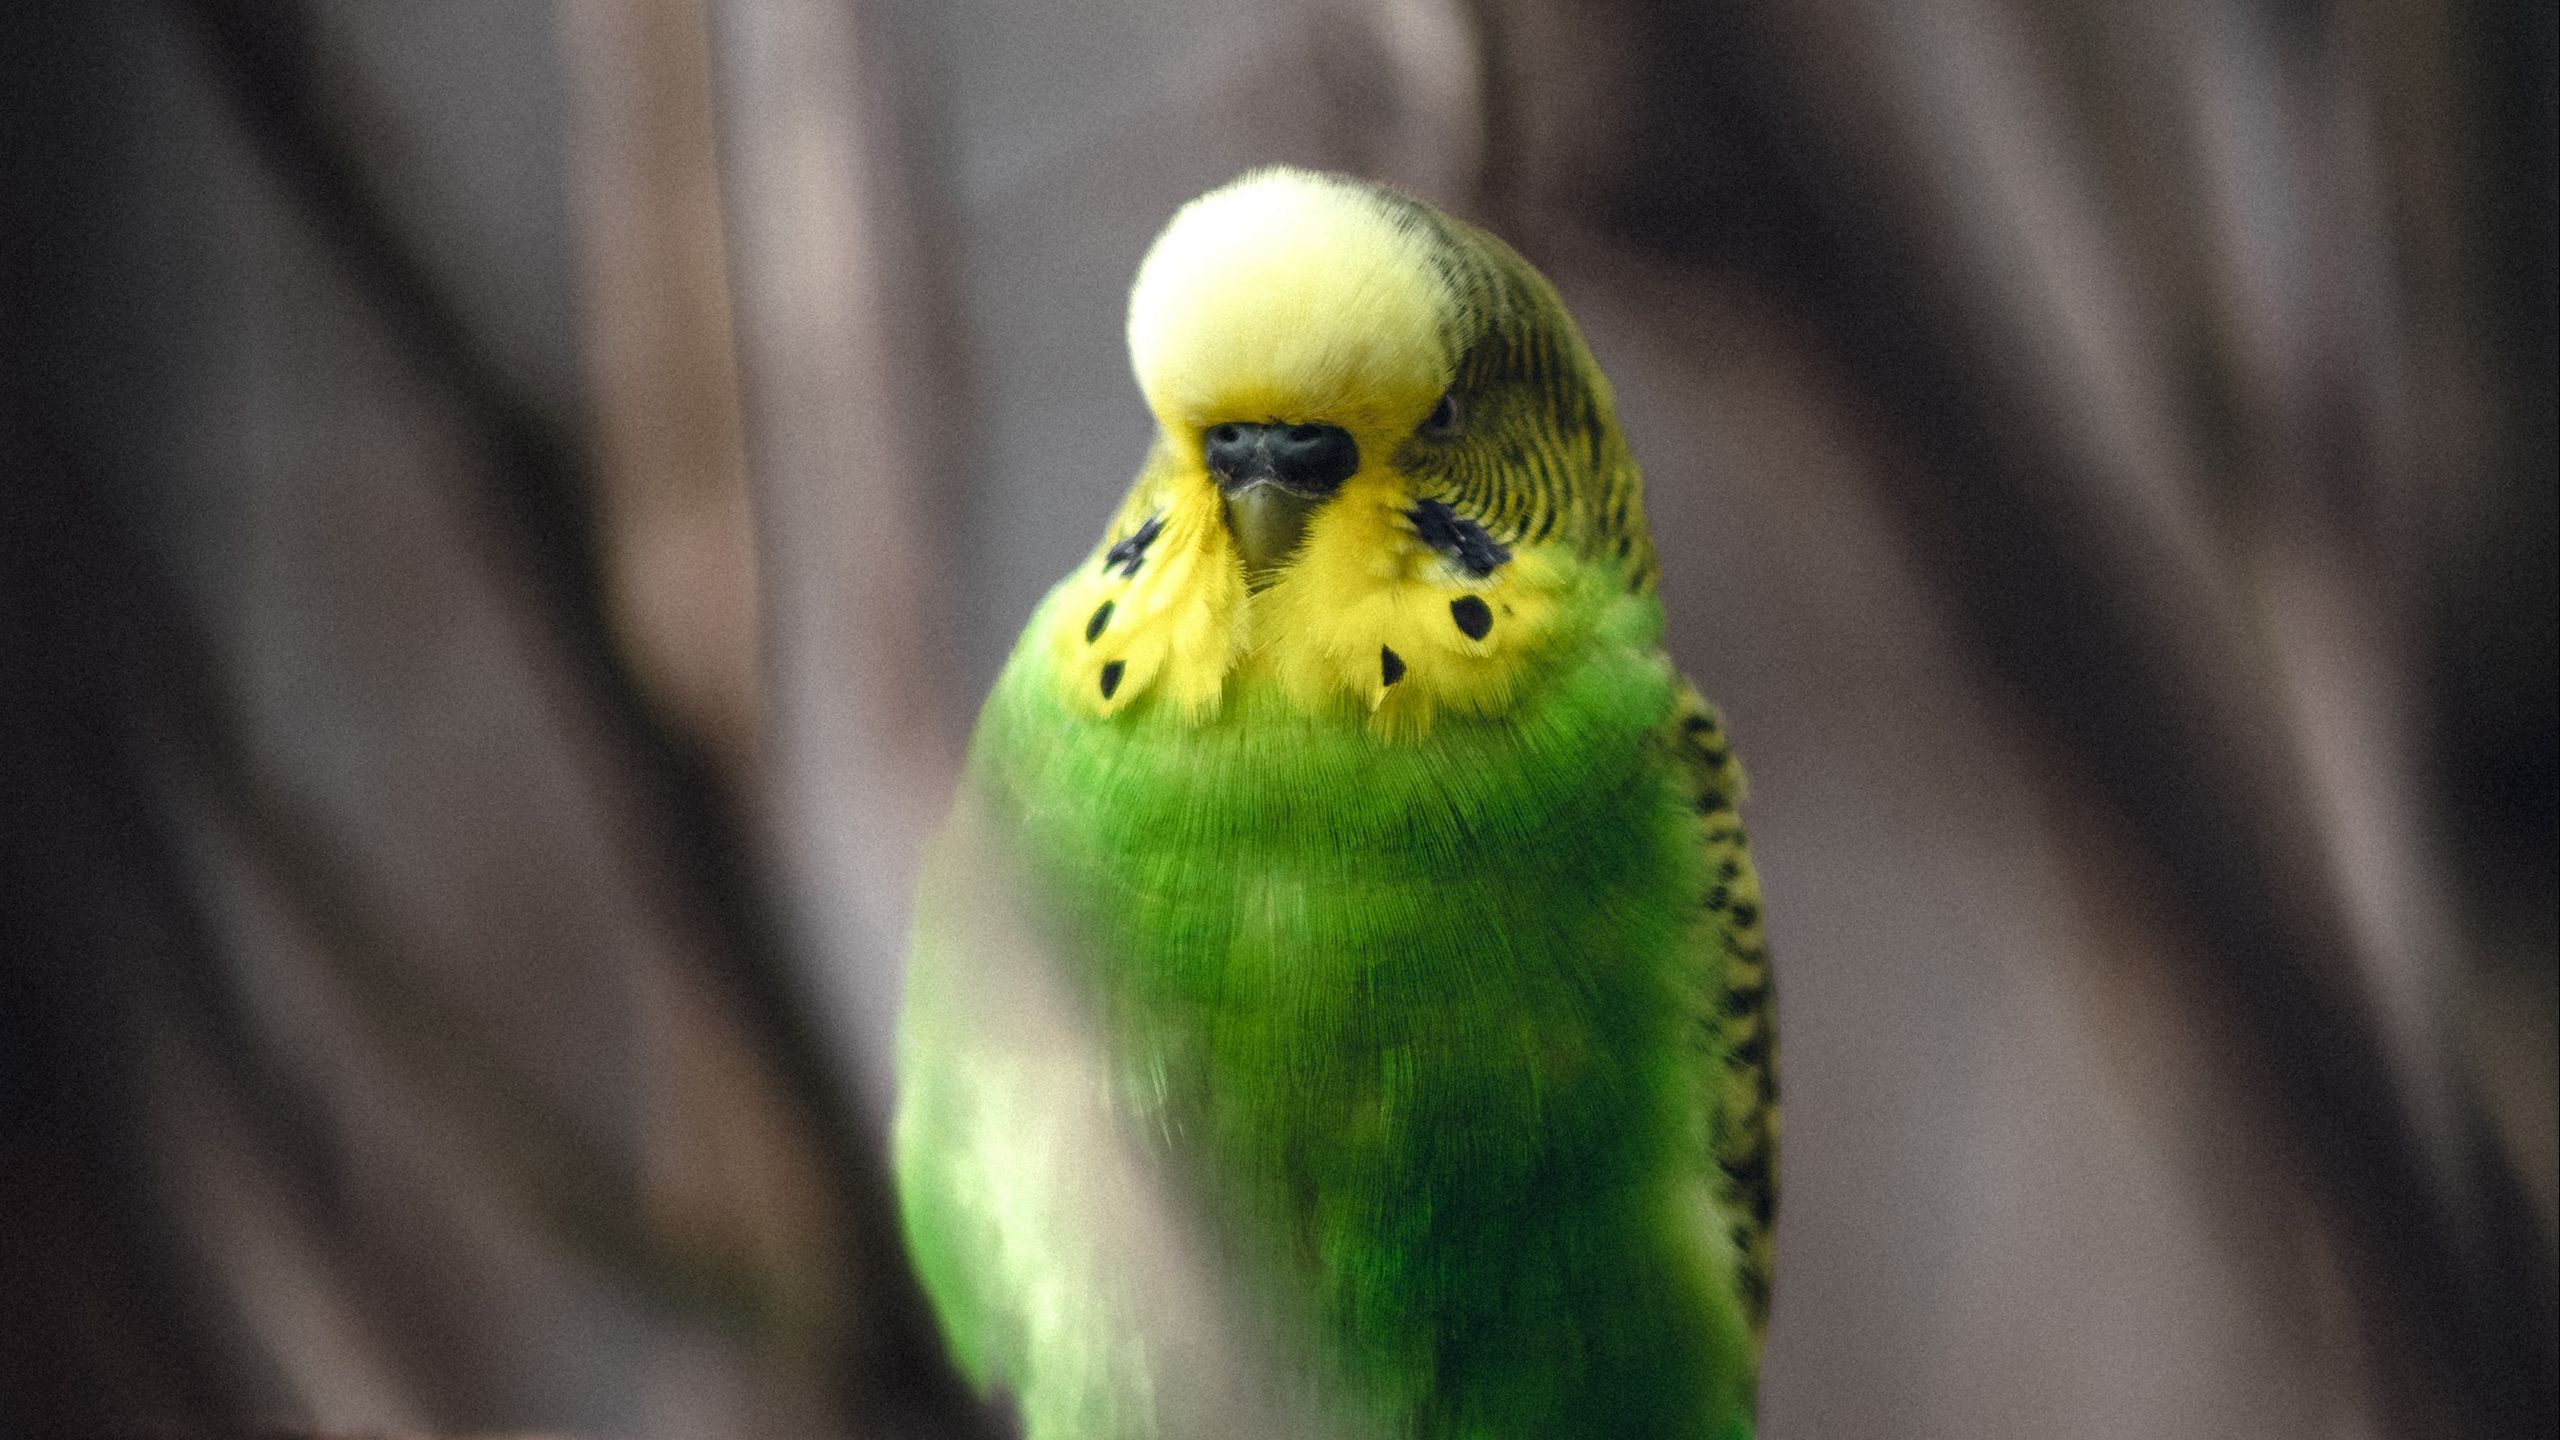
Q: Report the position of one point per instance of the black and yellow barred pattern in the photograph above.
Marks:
(1739, 1023)
(1537, 455)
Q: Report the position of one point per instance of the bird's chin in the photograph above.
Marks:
(1269, 520)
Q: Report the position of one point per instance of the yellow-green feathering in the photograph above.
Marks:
(1401, 873)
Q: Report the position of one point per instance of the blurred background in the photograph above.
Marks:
(509, 508)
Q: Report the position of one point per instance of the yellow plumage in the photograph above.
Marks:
(1290, 294)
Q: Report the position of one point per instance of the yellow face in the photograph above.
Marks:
(1467, 464)
(1291, 297)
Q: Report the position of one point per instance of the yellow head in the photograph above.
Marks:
(1299, 296)
(1382, 454)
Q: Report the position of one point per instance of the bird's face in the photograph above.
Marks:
(1297, 336)
(1383, 455)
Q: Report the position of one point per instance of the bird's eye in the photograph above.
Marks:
(1443, 419)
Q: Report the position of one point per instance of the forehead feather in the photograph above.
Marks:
(1288, 295)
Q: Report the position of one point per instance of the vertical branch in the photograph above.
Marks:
(678, 554)
(837, 342)
(727, 1172)
(835, 335)
(539, 498)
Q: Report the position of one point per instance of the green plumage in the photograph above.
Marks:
(1450, 1048)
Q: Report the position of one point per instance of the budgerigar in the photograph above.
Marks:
(1395, 874)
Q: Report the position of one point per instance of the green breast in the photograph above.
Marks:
(1415, 1016)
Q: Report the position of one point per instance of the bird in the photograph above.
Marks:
(1397, 875)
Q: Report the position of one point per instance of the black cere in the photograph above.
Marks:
(1111, 677)
(1472, 616)
(1093, 627)
(1390, 665)
(1306, 460)
(1126, 555)
(1458, 537)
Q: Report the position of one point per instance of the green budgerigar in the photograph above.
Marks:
(1391, 878)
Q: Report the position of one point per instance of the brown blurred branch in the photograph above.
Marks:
(848, 387)
(676, 528)
(543, 521)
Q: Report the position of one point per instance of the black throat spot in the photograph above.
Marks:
(1126, 555)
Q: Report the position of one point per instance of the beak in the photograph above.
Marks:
(1273, 477)
(1268, 520)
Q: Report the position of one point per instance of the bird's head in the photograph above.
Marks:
(1294, 332)
(1367, 412)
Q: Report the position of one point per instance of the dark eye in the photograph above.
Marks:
(1443, 418)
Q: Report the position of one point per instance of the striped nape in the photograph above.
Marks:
(1542, 459)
